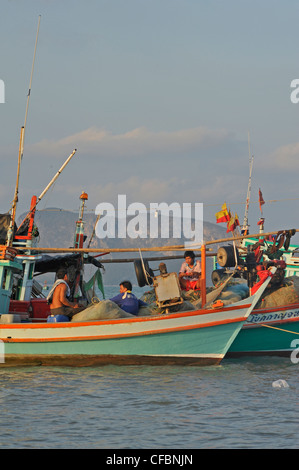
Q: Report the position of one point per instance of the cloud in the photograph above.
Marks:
(6, 197)
(285, 158)
(134, 143)
(136, 189)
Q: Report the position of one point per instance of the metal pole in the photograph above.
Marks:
(56, 176)
(15, 200)
(21, 151)
(50, 184)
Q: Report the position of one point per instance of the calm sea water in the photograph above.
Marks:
(231, 406)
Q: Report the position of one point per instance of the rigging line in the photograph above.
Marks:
(30, 84)
(207, 205)
(255, 202)
(280, 329)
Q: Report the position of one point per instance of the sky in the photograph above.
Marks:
(164, 100)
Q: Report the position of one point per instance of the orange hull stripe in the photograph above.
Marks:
(125, 335)
(120, 320)
(275, 309)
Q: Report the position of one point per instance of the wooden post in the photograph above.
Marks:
(203, 275)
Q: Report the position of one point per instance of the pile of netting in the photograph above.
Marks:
(102, 310)
(234, 291)
(286, 294)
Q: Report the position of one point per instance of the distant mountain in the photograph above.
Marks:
(57, 228)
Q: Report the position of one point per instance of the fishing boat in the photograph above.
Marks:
(197, 336)
(194, 337)
(203, 335)
(268, 332)
(272, 328)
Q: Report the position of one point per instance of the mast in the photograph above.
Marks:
(21, 151)
(245, 228)
(79, 234)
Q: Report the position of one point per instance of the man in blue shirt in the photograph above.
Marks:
(126, 300)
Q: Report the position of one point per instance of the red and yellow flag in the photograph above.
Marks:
(223, 215)
(233, 223)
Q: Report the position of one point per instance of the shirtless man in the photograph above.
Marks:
(59, 303)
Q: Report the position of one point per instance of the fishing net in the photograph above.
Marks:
(104, 310)
(94, 286)
(234, 293)
(288, 294)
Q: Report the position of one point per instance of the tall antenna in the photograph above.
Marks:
(30, 83)
(21, 151)
(245, 228)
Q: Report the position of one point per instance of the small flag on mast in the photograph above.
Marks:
(261, 200)
(233, 223)
(223, 215)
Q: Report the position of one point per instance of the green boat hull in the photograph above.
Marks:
(205, 346)
(266, 337)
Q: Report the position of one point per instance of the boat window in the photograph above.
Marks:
(4, 278)
(31, 269)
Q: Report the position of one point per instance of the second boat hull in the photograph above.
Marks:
(271, 332)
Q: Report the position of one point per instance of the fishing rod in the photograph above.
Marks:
(30, 83)
(21, 151)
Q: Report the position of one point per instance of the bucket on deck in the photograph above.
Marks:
(57, 318)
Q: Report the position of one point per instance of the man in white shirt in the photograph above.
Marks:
(190, 272)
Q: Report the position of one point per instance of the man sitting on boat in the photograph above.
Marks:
(189, 275)
(58, 297)
(126, 300)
